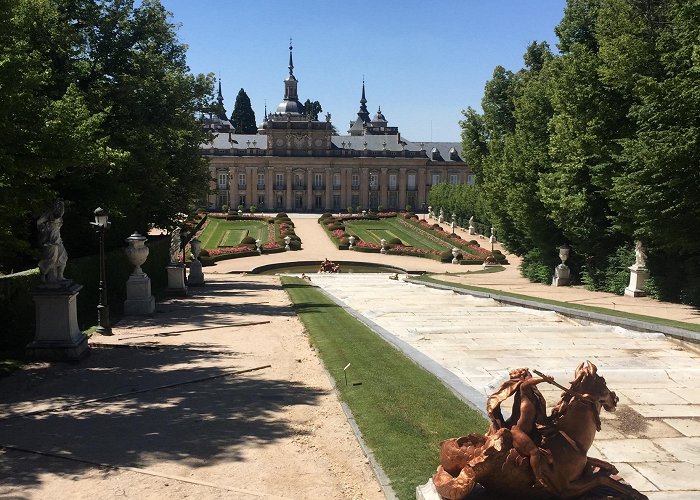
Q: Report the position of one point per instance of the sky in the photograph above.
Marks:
(423, 61)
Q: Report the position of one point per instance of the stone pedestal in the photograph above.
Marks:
(57, 336)
(196, 277)
(638, 277)
(176, 280)
(139, 300)
(472, 230)
(427, 491)
(562, 275)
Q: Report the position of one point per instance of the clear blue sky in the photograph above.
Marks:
(423, 61)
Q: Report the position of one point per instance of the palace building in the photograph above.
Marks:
(295, 163)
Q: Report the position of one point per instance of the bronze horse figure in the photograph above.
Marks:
(502, 460)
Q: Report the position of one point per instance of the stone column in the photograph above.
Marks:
(384, 187)
(421, 184)
(329, 187)
(290, 201)
(403, 180)
(309, 188)
(269, 189)
(364, 187)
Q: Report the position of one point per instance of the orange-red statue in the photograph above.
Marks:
(531, 455)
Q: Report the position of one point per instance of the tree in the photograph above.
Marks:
(243, 117)
(108, 118)
(313, 109)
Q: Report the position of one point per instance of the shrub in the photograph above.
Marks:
(350, 210)
(409, 208)
(474, 242)
(295, 244)
(204, 253)
(224, 208)
(241, 208)
(344, 241)
(281, 215)
(380, 208)
(394, 241)
(248, 240)
(446, 256)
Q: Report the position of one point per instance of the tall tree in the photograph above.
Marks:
(108, 117)
(312, 108)
(243, 117)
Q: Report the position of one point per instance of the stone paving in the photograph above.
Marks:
(653, 438)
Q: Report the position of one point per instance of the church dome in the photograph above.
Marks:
(379, 117)
(289, 106)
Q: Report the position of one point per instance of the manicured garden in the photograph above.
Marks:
(402, 411)
(235, 236)
(403, 234)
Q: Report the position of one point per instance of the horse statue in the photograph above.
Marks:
(531, 455)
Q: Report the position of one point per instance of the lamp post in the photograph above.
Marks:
(101, 224)
(454, 218)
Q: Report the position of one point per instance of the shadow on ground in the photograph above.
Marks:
(194, 424)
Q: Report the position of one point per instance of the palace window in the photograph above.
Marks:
(393, 200)
(318, 203)
(471, 179)
(241, 180)
(223, 180)
(318, 181)
(336, 202)
(241, 199)
(373, 181)
(411, 181)
(298, 181)
(454, 178)
(392, 182)
(279, 202)
(261, 201)
(436, 179)
(279, 181)
(355, 200)
(355, 181)
(336, 180)
(261, 180)
(298, 201)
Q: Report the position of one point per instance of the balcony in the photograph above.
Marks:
(319, 186)
(241, 186)
(336, 187)
(280, 186)
(299, 186)
(260, 185)
(412, 188)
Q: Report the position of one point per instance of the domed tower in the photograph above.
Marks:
(290, 131)
(290, 104)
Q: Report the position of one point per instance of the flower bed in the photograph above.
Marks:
(438, 234)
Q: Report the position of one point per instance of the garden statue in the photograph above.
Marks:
(175, 243)
(640, 254)
(532, 455)
(53, 253)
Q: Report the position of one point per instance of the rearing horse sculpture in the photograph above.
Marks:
(503, 465)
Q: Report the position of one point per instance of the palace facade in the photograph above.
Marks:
(295, 163)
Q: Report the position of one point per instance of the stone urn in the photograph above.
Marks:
(455, 252)
(258, 244)
(383, 242)
(352, 241)
(562, 273)
(137, 251)
(287, 240)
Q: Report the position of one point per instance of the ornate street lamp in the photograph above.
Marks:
(100, 225)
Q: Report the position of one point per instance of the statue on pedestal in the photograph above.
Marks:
(53, 253)
(530, 454)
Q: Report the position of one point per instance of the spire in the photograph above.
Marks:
(290, 104)
(220, 110)
(291, 64)
(363, 114)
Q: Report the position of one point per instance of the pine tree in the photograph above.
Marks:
(243, 116)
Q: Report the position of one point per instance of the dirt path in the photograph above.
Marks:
(276, 432)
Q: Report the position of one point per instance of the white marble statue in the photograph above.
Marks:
(175, 246)
(53, 253)
(640, 254)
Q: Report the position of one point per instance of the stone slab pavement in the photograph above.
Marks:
(471, 343)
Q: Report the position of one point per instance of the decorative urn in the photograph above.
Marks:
(352, 241)
(137, 251)
(287, 239)
(383, 242)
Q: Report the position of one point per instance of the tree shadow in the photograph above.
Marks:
(195, 424)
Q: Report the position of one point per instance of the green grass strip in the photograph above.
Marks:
(571, 305)
(403, 411)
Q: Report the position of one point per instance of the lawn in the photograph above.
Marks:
(402, 411)
(372, 231)
(230, 233)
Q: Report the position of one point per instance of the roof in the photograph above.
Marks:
(356, 143)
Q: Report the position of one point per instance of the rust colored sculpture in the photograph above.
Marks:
(532, 455)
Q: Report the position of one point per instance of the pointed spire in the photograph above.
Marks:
(220, 97)
(291, 64)
(363, 114)
(220, 110)
(363, 100)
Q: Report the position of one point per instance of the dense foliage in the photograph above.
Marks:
(596, 146)
(98, 107)
(243, 116)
